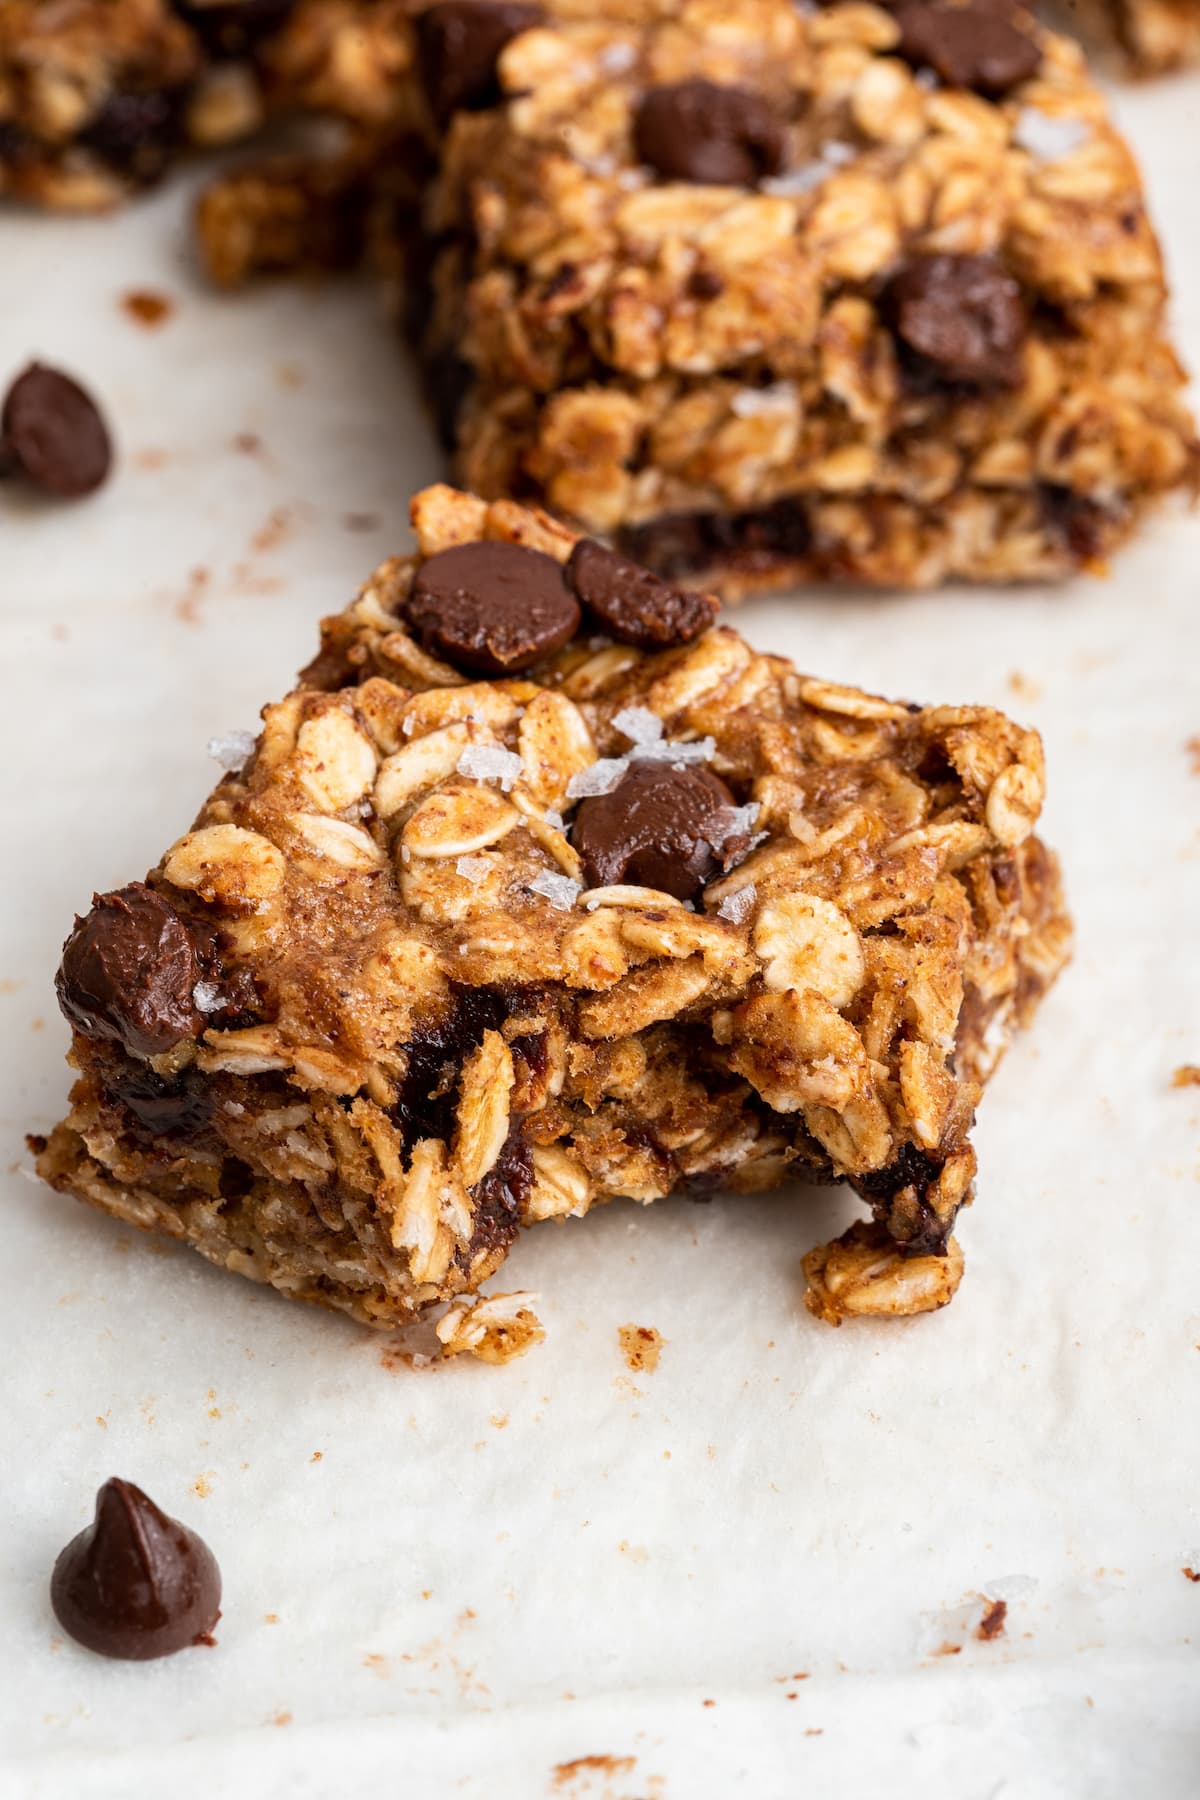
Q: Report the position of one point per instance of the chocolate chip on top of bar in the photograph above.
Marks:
(542, 889)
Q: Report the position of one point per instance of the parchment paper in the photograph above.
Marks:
(759, 1568)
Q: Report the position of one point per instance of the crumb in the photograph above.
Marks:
(274, 531)
(202, 1486)
(151, 459)
(187, 607)
(992, 1623)
(948, 1650)
(248, 443)
(814, 1731)
(361, 521)
(499, 1420)
(316, 1456)
(564, 1772)
(1024, 686)
(641, 1346)
(1192, 1574)
(1186, 1075)
(38, 1024)
(291, 375)
(60, 634)
(1193, 749)
(708, 1703)
(270, 1618)
(147, 308)
(282, 1718)
(637, 1553)
(377, 1663)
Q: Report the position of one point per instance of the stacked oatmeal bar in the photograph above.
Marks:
(543, 888)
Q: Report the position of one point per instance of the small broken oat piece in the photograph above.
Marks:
(865, 1273)
(1186, 1075)
(136, 1584)
(52, 432)
(992, 1623)
(632, 605)
(496, 1329)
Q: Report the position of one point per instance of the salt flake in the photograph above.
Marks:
(488, 762)
(639, 723)
(732, 822)
(738, 906)
(698, 750)
(474, 868)
(233, 750)
(599, 778)
(559, 890)
(207, 996)
(1049, 136)
(753, 403)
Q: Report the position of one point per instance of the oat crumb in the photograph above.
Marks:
(641, 1346)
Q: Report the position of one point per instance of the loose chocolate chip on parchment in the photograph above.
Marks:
(128, 973)
(492, 608)
(962, 319)
(977, 46)
(632, 605)
(652, 829)
(52, 431)
(458, 47)
(136, 1584)
(702, 131)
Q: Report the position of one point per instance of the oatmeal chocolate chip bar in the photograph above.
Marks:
(97, 97)
(542, 889)
(771, 294)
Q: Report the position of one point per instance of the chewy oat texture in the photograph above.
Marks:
(1154, 34)
(544, 889)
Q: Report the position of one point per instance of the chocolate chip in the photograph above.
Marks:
(632, 605)
(136, 1584)
(128, 970)
(499, 1198)
(178, 1108)
(136, 133)
(458, 48)
(52, 432)
(975, 46)
(492, 607)
(684, 543)
(233, 27)
(650, 831)
(701, 131)
(960, 318)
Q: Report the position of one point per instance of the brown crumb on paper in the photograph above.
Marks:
(566, 1772)
(1192, 1574)
(1024, 686)
(1186, 1075)
(641, 1346)
(1193, 749)
(992, 1623)
(147, 308)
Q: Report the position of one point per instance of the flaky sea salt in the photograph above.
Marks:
(732, 822)
(614, 59)
(489, 762)
(207, 996)
(559, 890)
(232, 750)
(801, 180)
(698, 750)
(639, 723)
(738, 906)
(1049, 136)
(753, 403)
(474, 868)
(599, 778)
(554, 818)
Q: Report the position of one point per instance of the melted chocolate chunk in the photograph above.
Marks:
(492, 608)
(960, 320)
(898, 1195)
(499, 1198)
(632, 605)
(52, 432)
(136, 1584)
(429, 1095)
(136, 133)
(128, 971)
(1080, 524)
(683, 543)
(976, 46)
(702, 131)
(458, 48)
(234, 27)
(650, 830)
(179, 1108)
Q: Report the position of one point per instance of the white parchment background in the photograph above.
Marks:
(463, 1580)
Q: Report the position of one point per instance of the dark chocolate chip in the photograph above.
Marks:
(899, 1197)
(52, 432)
(178, 1108)
(136, 133)
(961, 319)
(458, 47)
(128, 970)
(233, 27)
(136, 1584)
(492, 607)
(975, 46)
(684, 543)
(650, 831)
(631, 604)
(702, 131)
(1077, 522)
(427, 1103)
(499, 1198)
